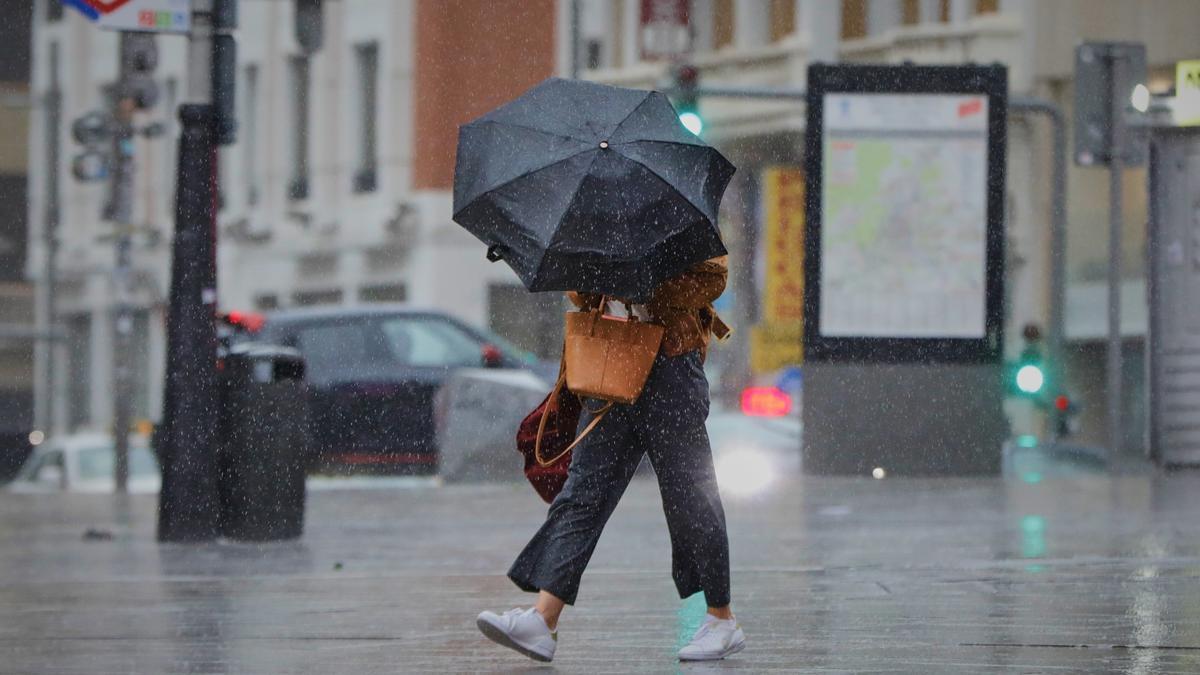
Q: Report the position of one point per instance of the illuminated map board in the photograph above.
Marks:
(909, 240)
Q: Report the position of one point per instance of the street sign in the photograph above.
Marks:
(664, 29)
(783, 213)
(776, 342)
(1187, 92)
(1102, 68)
(153, 16)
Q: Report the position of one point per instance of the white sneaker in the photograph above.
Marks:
(715, 640)
(521, 629)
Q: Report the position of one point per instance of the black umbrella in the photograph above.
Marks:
(584, 186)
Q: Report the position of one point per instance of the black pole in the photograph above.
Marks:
(188, 505)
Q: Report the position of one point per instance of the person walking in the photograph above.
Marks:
(667, 422)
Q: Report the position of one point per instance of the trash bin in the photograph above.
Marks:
(264, 440)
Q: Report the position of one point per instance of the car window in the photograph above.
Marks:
(97, 462)
(36, 470)
(430, 342)
(332, 347)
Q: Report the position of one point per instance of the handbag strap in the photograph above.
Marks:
(537, 445)
(602, 309)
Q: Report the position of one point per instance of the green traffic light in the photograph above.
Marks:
(692, 121)
(1030, 379)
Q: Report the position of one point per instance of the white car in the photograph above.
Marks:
(84, 463)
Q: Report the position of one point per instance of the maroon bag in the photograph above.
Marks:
(549, 432)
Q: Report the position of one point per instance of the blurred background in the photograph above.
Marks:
(336, 193)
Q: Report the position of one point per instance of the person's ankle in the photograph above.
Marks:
(721, 613)
(552, 624)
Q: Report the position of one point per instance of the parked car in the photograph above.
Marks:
(373, 372)
(84, 463)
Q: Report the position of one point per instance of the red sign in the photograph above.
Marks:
(106, 6)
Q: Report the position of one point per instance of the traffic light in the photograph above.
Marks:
(139, 58)
(686, 79)
(1028, 374)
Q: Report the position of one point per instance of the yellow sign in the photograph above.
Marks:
(1187, 93)
(775, 345)
(783, 243)
(777, 341)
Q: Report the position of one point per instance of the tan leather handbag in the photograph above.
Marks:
(609, 357)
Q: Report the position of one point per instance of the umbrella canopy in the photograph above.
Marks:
(583, 186)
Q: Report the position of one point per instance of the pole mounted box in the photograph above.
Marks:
(1102, 68)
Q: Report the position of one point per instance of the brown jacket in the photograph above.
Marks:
(683, 304)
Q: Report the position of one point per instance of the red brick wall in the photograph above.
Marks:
(472, 55)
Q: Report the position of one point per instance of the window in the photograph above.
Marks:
(783, 19)
(987, 6)
(854, 19)
(910, 12)
(593, 54)
(266, 302)
(79, 370)
(140, 356)
(430, 343)
(250, 134)
(312, 298)
(97, 463)
(367, 57)
(383, 293)
(299, 82)
(722, 23)
(342, 348)
(47, 469)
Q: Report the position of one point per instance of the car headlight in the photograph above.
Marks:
(744, 472)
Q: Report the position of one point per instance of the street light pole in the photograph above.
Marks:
(188, 503)
(1116, 171)
(51, 349)
(120, 211)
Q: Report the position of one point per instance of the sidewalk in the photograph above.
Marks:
(1085, 573)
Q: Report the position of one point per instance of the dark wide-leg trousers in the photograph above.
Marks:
(667, 421)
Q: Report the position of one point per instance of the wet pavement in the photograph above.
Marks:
(1047, 571)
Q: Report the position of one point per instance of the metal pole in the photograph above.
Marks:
(120, 211)
(1116, 170)
(188, 502)
(575, 39)
(1055, 329)
(53, 103)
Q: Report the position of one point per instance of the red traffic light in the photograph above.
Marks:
(1062, 403)
(686, 76)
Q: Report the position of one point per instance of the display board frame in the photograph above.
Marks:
(991, 81)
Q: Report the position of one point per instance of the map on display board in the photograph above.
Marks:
(904, 210)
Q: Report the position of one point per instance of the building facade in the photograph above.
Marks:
(337, 191)
(769, 43)
(338, 188)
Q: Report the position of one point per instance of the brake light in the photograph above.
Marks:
(766, 402)
(249, 321)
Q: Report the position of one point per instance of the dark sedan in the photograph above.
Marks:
(373, 372)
